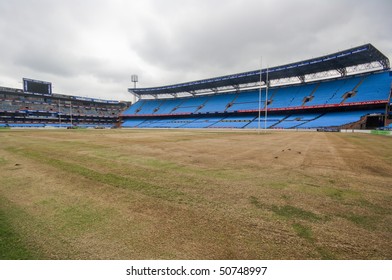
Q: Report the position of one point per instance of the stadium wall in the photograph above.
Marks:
(375, 132)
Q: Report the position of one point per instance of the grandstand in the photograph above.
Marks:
(351, 88)
(19, 108)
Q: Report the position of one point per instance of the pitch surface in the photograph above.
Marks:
(184, 194)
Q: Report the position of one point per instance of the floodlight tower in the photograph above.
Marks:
(134, 79)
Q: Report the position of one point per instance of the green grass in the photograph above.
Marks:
(106, 178)
(256, 202)
(12, 245)
(366, 222)
(286, 211)
(82, 217)
(291, 212)
(303, 231)
(2, 161)
(330, 188)
(374, 208)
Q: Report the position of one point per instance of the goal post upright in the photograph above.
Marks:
(261, 71)
(266, 102)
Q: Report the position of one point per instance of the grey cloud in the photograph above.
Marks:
(220, 39)
(94, 46)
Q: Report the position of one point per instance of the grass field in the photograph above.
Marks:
(184, 194)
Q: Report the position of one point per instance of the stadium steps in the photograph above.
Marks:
(213, 123)
(252, 120)
(202, 105)
(291, 101)
(156, 109)
(247, 123)
(240, 123)
(311, 96)
(285, 118)
(176, 107)
(296, 95)
(189, 105)
(305, 122)
(353, 92)
(140, 107)
(333, 95)
(232, 102)
(271, 99)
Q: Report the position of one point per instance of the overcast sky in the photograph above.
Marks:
(92, 47)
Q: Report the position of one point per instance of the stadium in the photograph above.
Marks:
(349, 89)
(36, 107)
(187, 173)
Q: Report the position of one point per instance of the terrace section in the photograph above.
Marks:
(350, 91)
(24, 109)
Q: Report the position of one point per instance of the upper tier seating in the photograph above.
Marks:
(312, 101)
(374, 87)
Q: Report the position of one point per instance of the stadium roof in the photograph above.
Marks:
(340, 61)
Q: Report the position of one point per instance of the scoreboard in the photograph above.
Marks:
(35, 86)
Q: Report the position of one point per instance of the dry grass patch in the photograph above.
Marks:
(196, 194)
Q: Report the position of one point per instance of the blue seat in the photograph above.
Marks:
(358, 90)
